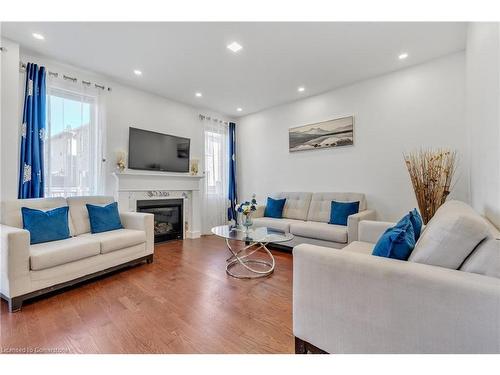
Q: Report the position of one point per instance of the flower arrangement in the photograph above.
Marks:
(431, 173)
(246, 209)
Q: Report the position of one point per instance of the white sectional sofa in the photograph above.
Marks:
(30, 270)
(306, 216)
(370, 304)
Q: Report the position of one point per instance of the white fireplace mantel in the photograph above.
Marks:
(130, 180)
(132, 185)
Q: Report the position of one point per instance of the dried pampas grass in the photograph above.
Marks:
(431, 172)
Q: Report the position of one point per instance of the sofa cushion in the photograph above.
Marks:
(52, 254)
(485, 259)
(117, 239)
(46, 226)
(359, 247)
(321, 231)
(321, 204)
(78, 211)
(277, 224)
(274, 208)
(450, 236)
(296, 205)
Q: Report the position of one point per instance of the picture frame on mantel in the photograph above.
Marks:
(338, 132)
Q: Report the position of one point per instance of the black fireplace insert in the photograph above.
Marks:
(168, 217)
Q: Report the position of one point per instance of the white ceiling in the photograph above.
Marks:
(179, 59)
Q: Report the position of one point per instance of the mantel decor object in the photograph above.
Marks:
(120, 161)
(193, 168)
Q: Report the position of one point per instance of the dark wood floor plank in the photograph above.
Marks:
(182, 303)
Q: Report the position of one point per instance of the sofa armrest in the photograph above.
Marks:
(14, 258)
(353, 222)
(259, 212)
(140, 221)
(346, 302)
(370, 231)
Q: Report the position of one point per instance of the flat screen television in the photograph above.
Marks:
(153, 151)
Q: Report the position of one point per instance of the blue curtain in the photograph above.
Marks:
(31, 183)
(231, 211)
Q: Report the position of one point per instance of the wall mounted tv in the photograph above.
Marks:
(153, 151)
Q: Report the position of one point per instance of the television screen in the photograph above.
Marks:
(157, 151)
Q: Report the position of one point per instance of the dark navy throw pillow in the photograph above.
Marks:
(340, 211)
(104, 218)
(274, 208)
(45, 226)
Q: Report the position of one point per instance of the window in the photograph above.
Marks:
(213, 163)
(216, 199)
(73, 155)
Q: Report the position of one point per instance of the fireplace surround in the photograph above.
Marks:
(132, 186)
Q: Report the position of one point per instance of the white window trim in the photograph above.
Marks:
(96, 141)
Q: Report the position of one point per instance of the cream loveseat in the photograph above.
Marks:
(31, 270)
(350, 301)
(306, 216)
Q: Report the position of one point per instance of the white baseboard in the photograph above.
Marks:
(193, 234)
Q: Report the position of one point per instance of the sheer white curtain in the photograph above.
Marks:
(75, 139)
(216, 200)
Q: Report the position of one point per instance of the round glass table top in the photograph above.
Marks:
(259, 234)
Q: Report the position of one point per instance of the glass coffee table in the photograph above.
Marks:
(255, 240)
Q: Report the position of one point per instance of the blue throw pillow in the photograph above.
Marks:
(340, 211)
(104, 218)
(274, 208)
(415, 220)
(45, 226)
(397, 242)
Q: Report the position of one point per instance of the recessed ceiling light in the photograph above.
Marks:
(301, 89)
(198, 94)
(38, 36)
(239, 109)
(403, 56)
(234, 46)
(137, 72)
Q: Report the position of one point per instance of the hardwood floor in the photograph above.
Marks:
(182, 303)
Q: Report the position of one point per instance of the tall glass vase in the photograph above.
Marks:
(247, 221)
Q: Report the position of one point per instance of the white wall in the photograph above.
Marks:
(416, 107)
(126, 107)
(483, 117)
(9, 120)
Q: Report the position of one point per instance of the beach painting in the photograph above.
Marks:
(332, 133)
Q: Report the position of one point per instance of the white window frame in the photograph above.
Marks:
(95, 145)
(215, 170)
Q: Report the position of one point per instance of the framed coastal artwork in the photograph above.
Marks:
(326, 134)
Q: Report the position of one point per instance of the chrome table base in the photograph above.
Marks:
(241, 257)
